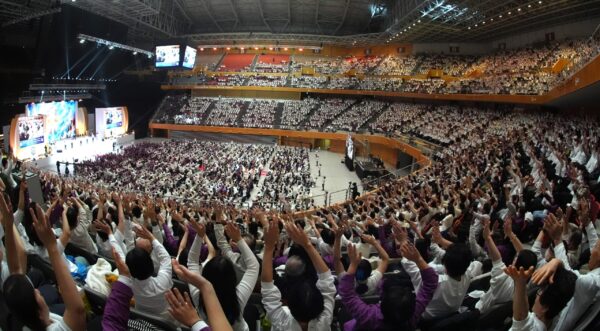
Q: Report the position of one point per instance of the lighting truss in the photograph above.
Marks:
(56, 97)
(113, 44)
(32, 16)
(62, 87)
(277, 39)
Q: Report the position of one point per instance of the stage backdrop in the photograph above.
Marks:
(60, 118)
(111, 121)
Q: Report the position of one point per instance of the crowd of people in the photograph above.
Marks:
(198, 170)
(295, 112)
(356, 116)
(505, 216)
(226, 112)
(288, 180)
(260, 114)
(526, 70)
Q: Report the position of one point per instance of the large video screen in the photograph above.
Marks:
(60, 118)
(30, 130)
(167, 56)
(113, 117)
(189, 58)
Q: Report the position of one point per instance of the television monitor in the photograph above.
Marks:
(113, 118)
(60, 118)
(30, 130)
(167, 56)
(189, 57)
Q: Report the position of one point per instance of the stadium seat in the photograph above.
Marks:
(76, 251)
(96, 300)
(496, 317)
(37, 262)
(455, 322)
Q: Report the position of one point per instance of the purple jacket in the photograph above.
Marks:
(116, 310)
(369, 316)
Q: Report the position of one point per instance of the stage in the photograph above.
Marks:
(79, 149)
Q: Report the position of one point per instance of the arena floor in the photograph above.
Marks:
(333, 172)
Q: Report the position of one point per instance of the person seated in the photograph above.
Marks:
(400, 308)
(367, 279)
(149, 290)
(309, 306)
(220, 272)
(24, 301)
(550, 299)
(455, 274)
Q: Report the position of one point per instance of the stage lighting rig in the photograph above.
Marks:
(111, 45)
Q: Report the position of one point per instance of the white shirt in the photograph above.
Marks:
(450, 293)
(245, 286)
(80, 236)
(57, 323)
(500, 291)
(149, 293)
(585, 286)
(530, 323)
(281, 317)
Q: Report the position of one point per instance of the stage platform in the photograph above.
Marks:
(79, 149)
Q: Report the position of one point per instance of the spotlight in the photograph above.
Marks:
(134, 53)
(149, 56)
(201, 49)
(228, 48)
(81, 41)
(214, 48)
(285, 49)
(111, 47)
(301, 49)
(256, 48)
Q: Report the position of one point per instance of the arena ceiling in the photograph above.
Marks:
(341, 22)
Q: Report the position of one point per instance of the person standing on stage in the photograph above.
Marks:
(58, 167)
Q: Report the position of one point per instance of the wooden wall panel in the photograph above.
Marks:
(239, 93)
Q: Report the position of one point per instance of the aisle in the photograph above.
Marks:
(334, 173)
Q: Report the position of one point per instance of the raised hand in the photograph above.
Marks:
(297, 235)
(181, 308)
(546, 272)
(409, 251)
(355, 257)
(487, 232)
(121, 265)
(102, 227)
(41, 225)
(198, 227)
(400, 233)
(5, 213)
(233, 231)
(369, 239)
(518, 275)
(508, 227)
(271, 236)
(553, 227)
(142, 232)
